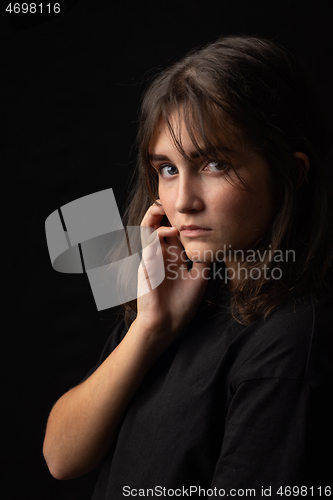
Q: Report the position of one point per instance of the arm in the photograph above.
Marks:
(84, 422)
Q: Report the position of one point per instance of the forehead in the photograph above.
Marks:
(175, 136)
(167, 135)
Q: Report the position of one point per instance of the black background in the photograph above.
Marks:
(72, 84)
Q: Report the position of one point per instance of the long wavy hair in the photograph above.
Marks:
(251, 85)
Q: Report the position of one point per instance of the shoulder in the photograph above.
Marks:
(303, 316)
(294, 342)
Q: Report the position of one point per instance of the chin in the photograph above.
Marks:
(201, 256)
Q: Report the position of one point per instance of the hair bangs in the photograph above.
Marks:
(211, 131)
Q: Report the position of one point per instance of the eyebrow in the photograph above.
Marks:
(193, 154)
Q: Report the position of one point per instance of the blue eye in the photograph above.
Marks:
(168, 170)
(217, 165)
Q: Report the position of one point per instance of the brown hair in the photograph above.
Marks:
(253, 85)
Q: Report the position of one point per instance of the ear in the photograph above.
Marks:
(303, 164)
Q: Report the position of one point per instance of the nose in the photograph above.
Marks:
(189, 196)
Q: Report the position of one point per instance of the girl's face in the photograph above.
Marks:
(206, 201)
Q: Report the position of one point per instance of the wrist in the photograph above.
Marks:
(150, 331)
(153, 338)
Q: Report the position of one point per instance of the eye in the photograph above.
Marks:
(217, 165)
(167, 170)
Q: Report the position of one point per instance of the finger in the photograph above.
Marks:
(162, 232)
(152, 257)
(144, 285)
(158, 256)
(167, 232)
(153, 216)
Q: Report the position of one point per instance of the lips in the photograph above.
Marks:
(192, 227)
(193, 231)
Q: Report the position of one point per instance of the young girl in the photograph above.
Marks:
(219, 381)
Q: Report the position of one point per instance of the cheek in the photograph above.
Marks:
(232, 205)
(167, 204)
(252, 213)
(242, 212)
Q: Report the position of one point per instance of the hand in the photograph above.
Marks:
(167, 309)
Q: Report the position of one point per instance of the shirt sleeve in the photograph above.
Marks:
(276, 433)
(115, 338)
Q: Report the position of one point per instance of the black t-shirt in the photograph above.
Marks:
(231, 410)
